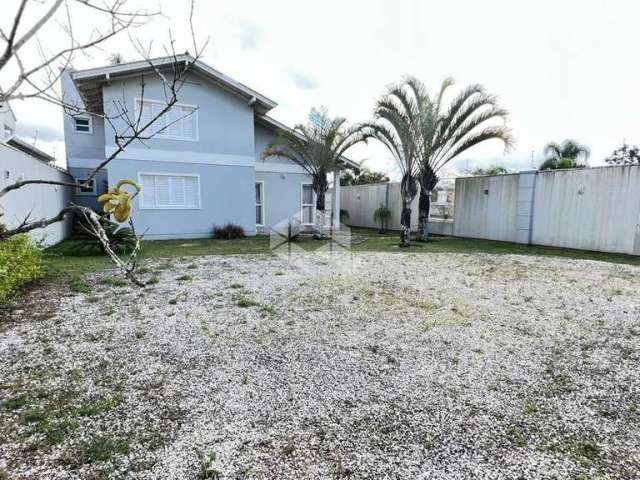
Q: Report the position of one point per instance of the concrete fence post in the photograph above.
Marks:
(525, 207)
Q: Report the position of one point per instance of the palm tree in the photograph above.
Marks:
(318, 147)
(394, 129)
(490, 171)
(425, 136)
(565, 155)
(382, 215)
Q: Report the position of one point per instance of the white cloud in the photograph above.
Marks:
(563, 69)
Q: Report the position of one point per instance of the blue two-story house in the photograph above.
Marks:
(205, 169)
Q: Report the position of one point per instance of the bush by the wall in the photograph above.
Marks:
(228, 232)
(122, 239)
(20, 262)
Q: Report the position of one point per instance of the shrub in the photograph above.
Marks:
(121, 239)
(229, 232)
(20, 263)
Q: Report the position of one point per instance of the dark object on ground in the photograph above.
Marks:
(229, 232)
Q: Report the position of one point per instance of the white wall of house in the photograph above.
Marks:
(38, 201)
(7, 122)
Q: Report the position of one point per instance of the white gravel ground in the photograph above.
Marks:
(397, 366)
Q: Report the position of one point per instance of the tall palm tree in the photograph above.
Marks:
(318, 147)
(394, 128)
(568, 154)
(429, 136)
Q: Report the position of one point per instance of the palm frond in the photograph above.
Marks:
(317, 146)
(488, 133)
(553, 149)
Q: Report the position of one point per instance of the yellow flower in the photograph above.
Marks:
(118, 201)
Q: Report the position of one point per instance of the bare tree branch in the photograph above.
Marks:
(127, 128)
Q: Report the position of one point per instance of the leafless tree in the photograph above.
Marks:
(39, 80)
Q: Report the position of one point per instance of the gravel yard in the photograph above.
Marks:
(398, 366)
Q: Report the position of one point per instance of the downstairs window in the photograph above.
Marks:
(169, 191)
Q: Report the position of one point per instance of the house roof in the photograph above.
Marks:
(19, 144)
(275, 125)
(89, 82)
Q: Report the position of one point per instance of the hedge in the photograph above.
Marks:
(20, 263)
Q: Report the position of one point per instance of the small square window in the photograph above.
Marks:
(90, 189)
(83, 124)
(8, 132)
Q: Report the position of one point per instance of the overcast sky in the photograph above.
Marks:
(564, 69)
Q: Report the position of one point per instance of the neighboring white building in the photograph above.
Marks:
(7, 122)
(20, 160)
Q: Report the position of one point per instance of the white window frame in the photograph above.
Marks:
(302, 205)
(93, 184)
(262, 213)
(141, 204)
(138, 102)
(83, 117)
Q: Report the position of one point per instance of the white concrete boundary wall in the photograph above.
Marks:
(41, 201)
(590, 209)
(362, 200)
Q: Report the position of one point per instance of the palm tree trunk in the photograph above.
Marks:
(320, 215)
(320, 198)
(408, 191)
(424, 206)
(405, 222)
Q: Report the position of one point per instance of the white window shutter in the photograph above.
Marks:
(191, 192)
(174, 122)
(163, 194)
(177, 190)
(145, 112)
(170, 191)
(148, 191)
(189, 123)
(179, 122)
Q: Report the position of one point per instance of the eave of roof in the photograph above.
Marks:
(30, 149)
(24, 147)
(89, 81)
(275, 125)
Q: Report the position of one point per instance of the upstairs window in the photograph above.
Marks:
(83, 124)
(179, 123)
(307, 204)
(169, 191)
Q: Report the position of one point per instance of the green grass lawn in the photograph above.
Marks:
(63, 259)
